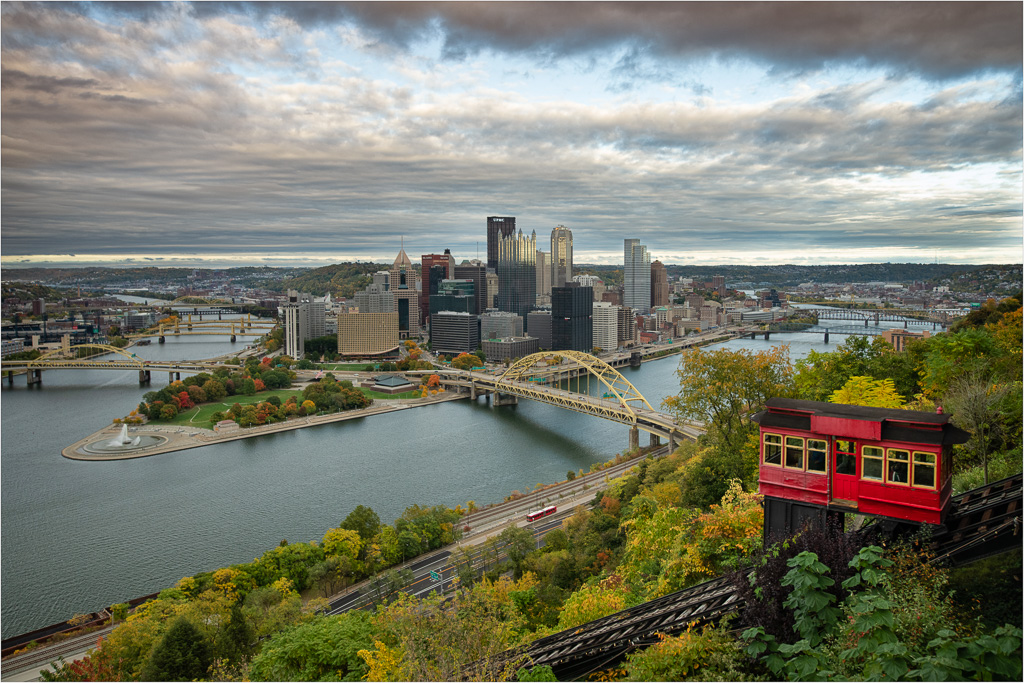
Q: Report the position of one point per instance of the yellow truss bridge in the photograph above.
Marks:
(536, 377)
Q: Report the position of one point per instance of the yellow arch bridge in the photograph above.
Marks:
(537, 377)
(178, 328)
(70, 358)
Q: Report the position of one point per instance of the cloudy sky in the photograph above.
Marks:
(306, 134)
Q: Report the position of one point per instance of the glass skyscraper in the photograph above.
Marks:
(561, 256)
(517, 273)
(636, 277)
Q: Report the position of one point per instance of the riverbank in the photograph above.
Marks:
(178, 438)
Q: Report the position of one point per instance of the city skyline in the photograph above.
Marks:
(228, 134)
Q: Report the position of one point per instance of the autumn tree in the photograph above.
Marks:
(182, 654)
(323, 649)
(722, 388)
(866, 391)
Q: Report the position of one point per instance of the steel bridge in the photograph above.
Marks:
(895, 315)
(179, 328)
(65, 359)
(536, 377)
(980, 523)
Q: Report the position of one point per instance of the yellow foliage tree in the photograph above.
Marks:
(342, 542)
(592, 602)
(867, 391)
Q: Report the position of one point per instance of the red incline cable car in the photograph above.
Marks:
(823, 458)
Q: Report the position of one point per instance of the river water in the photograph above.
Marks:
(77, 536)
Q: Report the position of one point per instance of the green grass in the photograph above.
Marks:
(352, 367)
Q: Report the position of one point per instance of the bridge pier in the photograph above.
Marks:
(766, 335)
(634, 438)
(33, 376)
(472, 391)
(826, 336)
(906, 324)
(232, 339)
(162, 339)
(672, 445)
(655, 440)
(865, 322)
(144, 377)
(504, 400)
(10, 378)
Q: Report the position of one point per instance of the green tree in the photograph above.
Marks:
(323, 649)
(364, 521)
(975, 401)
(866, 391)
(182, 654)
(517, 543)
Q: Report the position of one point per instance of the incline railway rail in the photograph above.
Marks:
(980, 523)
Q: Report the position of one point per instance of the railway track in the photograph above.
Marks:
(41, 656)
(980, 523)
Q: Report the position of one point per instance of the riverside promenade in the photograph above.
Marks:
(180, 438)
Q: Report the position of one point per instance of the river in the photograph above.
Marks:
(77, 536)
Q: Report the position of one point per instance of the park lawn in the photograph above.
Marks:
(351, 367)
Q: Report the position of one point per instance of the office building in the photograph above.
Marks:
(304, 318)
(659, 285)
(454, 332)
(500, 324)
(517, 273)
(492, 289)
(476, 272)
(405, 288)
(572, 316)
(367, 334)
(627, 326)
(718, 284)
(539, 323)
(433, 269)
(561, 256)
(636, 276)
(543, 277)
(498, 227)
(456, 296)
(499, 350)
(606, 326)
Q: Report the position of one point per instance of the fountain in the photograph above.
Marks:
(123, 444)
(123, 439)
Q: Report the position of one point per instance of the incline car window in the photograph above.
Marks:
(871, 465)
(772, 449)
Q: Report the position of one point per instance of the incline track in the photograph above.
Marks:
(980, 523)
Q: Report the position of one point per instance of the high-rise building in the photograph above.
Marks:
(572, 314)
(477, 272)
(454, 332)
(492, 289)
(498, 350)
(404, 286)
(627, 326)
(659, 285)
(517, 273)
(606, 326)
(718, 284)
(543, 277)
(561, 256)
(636, 277)
(377, 297)
(458, 296)
(498, 227)
(433, 269)
(305, 317)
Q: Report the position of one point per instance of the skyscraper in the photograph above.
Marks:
(477, 272)
(517, 273)
(498, 227)
(572, 318)
(407, 295)
(636, 277)
(543, 277)
(434, 268)
(561, 256)
(659, 285)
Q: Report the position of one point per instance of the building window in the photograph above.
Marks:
(772, 449)
(872, 463)
(899, 466)
(846, 457)
(817, 455)
(924, 470)
(795, 452)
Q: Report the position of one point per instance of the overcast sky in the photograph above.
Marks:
(307, 134)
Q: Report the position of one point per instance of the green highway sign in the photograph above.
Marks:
(435, 576)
